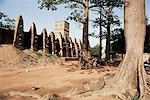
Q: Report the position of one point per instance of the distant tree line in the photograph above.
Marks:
(118, 42)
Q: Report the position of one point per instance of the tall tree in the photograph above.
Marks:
(106, 19)
(80, 13)
(118, 41)
(5, 21)
(131, 77)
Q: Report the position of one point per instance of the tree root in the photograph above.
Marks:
(86, 87)
(128, 83)
(48, 96)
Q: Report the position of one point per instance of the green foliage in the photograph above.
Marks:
(39, 54)
(77, 16)
(147, 39)
(53, 59)
(128, 95)
(107, 3)
(118, 41)
(49, 4)
(147, 48)
(75, 5)
(94, 34)
(106, 16)
(50, 57)
(135, 98)
(6, 22)
(95, 50)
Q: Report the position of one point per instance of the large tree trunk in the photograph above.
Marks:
(85, 28)
(130, 79)
(100, 38)
(108, 43)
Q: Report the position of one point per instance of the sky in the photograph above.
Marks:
(46, 19)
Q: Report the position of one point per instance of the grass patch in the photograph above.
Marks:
(39, 55)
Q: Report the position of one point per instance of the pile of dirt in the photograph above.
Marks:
(12, 58)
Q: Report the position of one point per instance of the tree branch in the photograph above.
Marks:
(92, 6)
(76, 1)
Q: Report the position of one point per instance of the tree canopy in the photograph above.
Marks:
(5, 21)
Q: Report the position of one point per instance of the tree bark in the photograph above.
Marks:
(85, 27)
(108, 43)
(130, 80)
(100, 37)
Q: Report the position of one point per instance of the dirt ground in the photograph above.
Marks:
(48, 79)
(24, 77)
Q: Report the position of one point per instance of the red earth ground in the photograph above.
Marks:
(26, 79)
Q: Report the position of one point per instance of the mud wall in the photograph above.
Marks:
(6, 36)
(62, 46)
